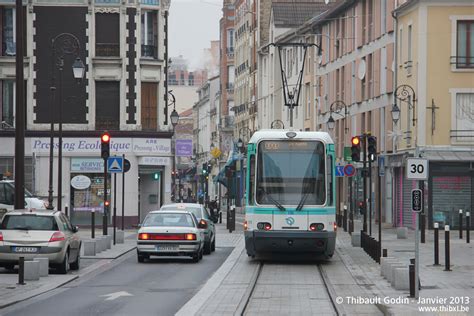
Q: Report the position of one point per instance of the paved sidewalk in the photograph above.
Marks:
(11, 292)
(436, 283)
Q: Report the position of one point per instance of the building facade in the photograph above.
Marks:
(122, 47)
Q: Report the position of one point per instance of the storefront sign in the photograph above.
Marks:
(80, 182)
(184, 147)
(154, 161)
(92, 145)
(87, 165)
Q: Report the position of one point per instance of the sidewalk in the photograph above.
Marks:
(352, 274)
(11, 292)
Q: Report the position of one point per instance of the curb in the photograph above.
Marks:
(205, 293)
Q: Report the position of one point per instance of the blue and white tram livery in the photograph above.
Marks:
(290, 193)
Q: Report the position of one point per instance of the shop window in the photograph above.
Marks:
(107, 34)
(149, 28)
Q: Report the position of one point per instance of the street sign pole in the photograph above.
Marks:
(104, 215)
(364, 141)
(115, 205)
(123, 193)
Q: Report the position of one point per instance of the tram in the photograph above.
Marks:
(290, 193)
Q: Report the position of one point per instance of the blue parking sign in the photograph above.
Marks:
(339, 171)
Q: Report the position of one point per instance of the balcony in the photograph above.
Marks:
(230, 87)
(107, 50)
(463, 62)
(230, 51)
(149, 51)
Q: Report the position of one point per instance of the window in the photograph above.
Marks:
(465, 44)
(149, 106)
(149, 32)
(400, 43)
(464, 118)
(107, 34)
(409, 43)
(107, 116)
(8, 32)
(251, 188)
(7, 103)
(191, 79)
(230, 40)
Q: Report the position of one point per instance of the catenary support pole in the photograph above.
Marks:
(447, 261)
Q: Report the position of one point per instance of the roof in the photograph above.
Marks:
(293, 14)
(170, 212)
(281, 134)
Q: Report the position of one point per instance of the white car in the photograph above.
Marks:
(170, 233)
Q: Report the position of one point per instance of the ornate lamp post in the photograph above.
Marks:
(336, 107)
(404, 93)
(174, 117)
(61, 45)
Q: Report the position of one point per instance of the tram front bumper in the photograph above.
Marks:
(290, 242)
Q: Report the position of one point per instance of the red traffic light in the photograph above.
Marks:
(107, 203)
(105, 138)
(355, 140)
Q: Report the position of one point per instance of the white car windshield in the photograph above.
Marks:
(168, 220)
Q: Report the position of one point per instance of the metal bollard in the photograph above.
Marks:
(384, 253)
(446, 249)
(460, 224)
(93, 224)
(220, 217)
(344, 223)
(422, 222)
(21, 270)
(411, 272)
(436, 244)
(66, 210)
(468, 226)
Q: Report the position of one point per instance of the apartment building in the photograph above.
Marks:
(121, 44)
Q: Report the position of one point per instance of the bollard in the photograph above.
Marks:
(460, 224)
(220, 217)
(384, 253)
(436, 244)
(344, 223)
(422, 222)
(411, 272)
(468, 227)
(66, 210)
(21, 271)
(446, 249)
(93, 224)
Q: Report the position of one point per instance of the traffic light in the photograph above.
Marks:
(105, 145)
(156, 176)
(204, 169)
(355, 149)
(107, 203)
(372, 147)
(209, 167)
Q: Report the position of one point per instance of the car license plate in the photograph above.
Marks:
(167, 247)
(26, 249)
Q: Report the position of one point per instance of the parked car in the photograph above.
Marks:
(7, 198)
(39, 233)
(170, 233)
(201, 214)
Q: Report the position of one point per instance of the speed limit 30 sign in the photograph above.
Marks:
(417, 169)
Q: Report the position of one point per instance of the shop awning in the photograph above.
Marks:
(234, 156)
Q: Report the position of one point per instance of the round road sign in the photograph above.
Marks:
(126, 165)
(349, 170)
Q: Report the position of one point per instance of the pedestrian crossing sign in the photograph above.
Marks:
(115, 164)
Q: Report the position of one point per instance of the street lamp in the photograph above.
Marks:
(61, 45)
(240, 145)
(174, 117)
(336, 107)
(404, 93)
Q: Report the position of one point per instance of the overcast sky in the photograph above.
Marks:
(192, 26)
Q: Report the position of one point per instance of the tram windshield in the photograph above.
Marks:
(291, 172)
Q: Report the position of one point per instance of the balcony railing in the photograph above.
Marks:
(230, 51)
(149, 51)
(107, 49)
(230, 86)
(463, 61)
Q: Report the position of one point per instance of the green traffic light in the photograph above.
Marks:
(156, 176)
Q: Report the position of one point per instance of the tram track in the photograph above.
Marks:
(243, 307)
